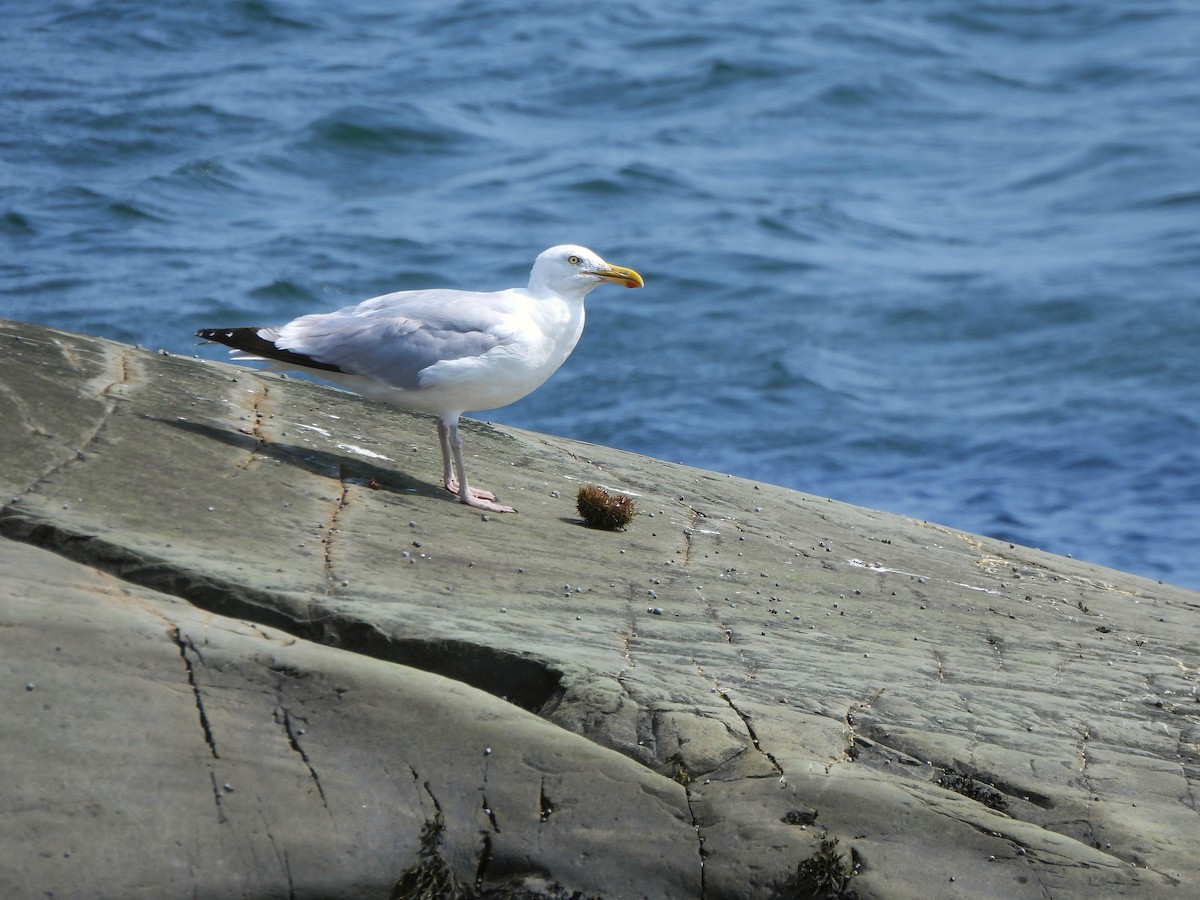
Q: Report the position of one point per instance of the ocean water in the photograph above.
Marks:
(937, 258)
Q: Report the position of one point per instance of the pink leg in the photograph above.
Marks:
(447, 470)
(452, 448)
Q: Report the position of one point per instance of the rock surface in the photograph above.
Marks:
(252, 649)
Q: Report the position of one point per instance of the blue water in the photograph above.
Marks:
(939, 258)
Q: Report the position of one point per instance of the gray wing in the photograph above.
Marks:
(395, 337)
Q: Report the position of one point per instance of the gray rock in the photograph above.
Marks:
(267, 650)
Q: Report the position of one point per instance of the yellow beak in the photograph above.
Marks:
(620, 275)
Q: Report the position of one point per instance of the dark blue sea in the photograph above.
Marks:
(938, 258)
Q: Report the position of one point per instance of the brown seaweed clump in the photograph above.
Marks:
(600, 509)
(825, 875)
(431, 878)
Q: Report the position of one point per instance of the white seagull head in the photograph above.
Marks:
(569, 270)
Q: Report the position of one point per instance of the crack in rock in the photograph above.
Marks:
(216, 791)
(688, 531)
(1083, 735)
(528, 682)
(750, 731)
(284, 718)
(687, 793)
(120, 378)
(184, 645)
(331, 528)
(850, 754)
(255, 429)
(545, 805)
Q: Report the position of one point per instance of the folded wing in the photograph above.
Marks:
(393, 338)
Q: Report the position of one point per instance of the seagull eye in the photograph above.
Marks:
(573, 260)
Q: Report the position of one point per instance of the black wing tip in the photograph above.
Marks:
(220, 335)
(248, 340)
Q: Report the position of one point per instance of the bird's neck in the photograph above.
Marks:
(573, 294)
(560, 319)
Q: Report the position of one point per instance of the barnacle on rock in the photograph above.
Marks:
(600, 509)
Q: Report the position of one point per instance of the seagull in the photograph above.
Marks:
(442, 351)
